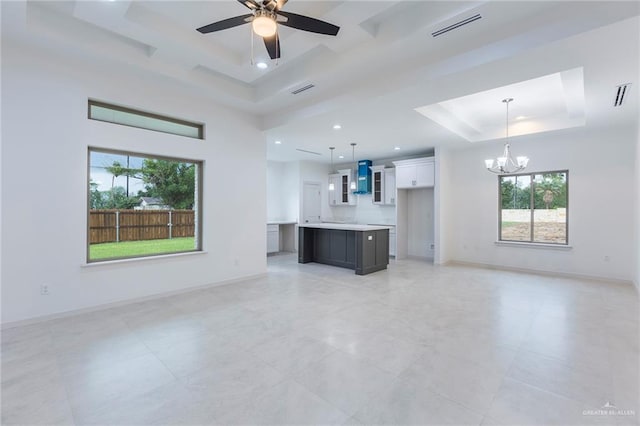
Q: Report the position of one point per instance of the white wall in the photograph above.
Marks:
(444, 193)
(601, 210)
(282, 191)
(45, 135)
(637, 211)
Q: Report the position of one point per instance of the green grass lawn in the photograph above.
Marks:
(509, 224)
(140, 248)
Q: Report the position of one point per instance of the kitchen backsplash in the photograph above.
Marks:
(364, 212)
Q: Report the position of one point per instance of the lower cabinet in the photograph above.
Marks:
(273, 238)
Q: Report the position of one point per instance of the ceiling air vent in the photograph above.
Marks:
(621, 90)
(456, 25)
(308, 152)
(302, 89)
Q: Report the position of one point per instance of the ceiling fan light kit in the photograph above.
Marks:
(505, 164)
(264, 23)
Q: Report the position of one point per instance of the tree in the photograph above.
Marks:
(98, 200)
(116, 169)
(172, 181)
(514, 194)
(551, 190)
(119, 199)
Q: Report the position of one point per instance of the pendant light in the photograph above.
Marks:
(332, 186)
(505, 164)
(355, 174)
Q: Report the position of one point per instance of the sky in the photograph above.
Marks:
(99, 160)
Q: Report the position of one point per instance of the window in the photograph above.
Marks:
(144, 120)
(141, 205)
(533, 207)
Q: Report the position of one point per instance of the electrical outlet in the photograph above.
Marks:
(44, 290)
(607, 258)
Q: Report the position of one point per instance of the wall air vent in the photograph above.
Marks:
(308, 152)
(302, 89)
(456, 25)
(621, 91)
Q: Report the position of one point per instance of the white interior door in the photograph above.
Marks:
(311, 202)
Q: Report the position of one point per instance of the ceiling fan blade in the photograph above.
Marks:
(306, 23)
(280, 4)
(273, 46)
(251, 4)
(225, 23)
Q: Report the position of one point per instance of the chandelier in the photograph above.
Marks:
(505, 164)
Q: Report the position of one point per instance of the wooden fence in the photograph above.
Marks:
(134, 225)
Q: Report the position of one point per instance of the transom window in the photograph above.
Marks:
(116, 114)
(534, 207)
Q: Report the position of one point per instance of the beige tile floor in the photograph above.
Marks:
(313, 344)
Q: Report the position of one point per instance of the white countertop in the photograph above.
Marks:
(281, 222)
(344, 226)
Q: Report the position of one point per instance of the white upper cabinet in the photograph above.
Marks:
(383, 185)
(377, 184)
(342, 194)
(415, 173)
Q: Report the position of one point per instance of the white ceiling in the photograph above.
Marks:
(371, 78)
(551, 102)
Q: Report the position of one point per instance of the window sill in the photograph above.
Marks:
(533, 245)
(141, 259)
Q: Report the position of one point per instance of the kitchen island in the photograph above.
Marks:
(364, 248)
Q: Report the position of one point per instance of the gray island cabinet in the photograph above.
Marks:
(364, 248)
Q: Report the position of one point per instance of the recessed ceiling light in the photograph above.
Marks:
(262, 65)
(341, 156)
(337, 127)
(520, 117)
(278, 142)
(397, 148)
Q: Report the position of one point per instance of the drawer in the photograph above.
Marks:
(273, 228)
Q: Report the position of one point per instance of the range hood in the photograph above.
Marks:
(364, 177)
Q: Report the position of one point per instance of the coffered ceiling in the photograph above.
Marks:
(373, 77)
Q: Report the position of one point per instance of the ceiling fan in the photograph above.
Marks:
(265, 17)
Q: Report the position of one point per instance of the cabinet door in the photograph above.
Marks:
(389, 187)
(425, 174)
(344, 189)
(378, 187)
(405, 176)
(273, 239)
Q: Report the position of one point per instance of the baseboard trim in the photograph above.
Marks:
(101, 307)
(541, 272)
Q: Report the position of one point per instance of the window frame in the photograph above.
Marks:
(197, 205)
(119, 108)
(532, 208)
